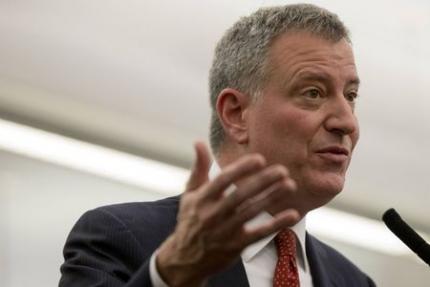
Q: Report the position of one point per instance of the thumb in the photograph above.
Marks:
(200, 170)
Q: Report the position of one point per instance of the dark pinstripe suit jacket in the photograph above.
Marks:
(112, 245)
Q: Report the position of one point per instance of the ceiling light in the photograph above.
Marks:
(98, 160)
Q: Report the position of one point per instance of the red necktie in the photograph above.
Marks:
(286, 272)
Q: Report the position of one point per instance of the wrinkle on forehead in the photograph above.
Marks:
(292, 53)
(295, 43)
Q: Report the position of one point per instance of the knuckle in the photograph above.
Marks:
(254, 159)
(280, 169)
(288, 185)
(257, 160)
(223, 179)
(292, 184)
(272, 174)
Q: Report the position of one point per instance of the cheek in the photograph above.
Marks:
(283, 130)
(297, 126)
(292, 132)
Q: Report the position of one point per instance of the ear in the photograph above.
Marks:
(232, 107)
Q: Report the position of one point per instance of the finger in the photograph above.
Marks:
(239, 169)
(233, 172)
(280, 194)
(283, 196)
(284, 219)
(253, 186)
(200, 170)
(270, 197)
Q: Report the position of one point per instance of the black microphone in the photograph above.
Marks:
(405, 233)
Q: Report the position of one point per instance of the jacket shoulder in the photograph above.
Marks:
(111, 245)
(149, 222)
(142, 213)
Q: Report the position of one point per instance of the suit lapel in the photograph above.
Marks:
(233, 276)
(317, 264)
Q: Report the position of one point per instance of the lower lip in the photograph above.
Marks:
(333, 157)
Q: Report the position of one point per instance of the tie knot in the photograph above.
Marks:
(285, 243)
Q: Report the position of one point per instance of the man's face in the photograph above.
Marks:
(304, 117)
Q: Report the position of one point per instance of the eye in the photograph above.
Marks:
(352, 96)
(312, 94)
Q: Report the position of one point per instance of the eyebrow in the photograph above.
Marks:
(322, 77)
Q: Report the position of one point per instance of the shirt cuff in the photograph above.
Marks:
(153, 272)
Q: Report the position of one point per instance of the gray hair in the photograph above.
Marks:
(240, 58)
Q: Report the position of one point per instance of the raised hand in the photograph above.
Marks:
(210, 232)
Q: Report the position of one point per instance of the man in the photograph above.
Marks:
(283, 88)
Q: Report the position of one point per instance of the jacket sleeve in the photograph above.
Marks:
(101, 251)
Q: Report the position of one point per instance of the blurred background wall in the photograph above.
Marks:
(132, 76)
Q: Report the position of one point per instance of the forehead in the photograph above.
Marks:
(301, 53)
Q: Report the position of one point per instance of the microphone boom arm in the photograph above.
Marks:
(405, 233)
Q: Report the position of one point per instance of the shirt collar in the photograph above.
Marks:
(248, 253)
(299, 229)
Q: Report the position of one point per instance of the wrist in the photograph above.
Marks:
(174, 271)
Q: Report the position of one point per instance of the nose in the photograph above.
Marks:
(341, 118)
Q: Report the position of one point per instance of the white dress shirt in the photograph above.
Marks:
(259, 258)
